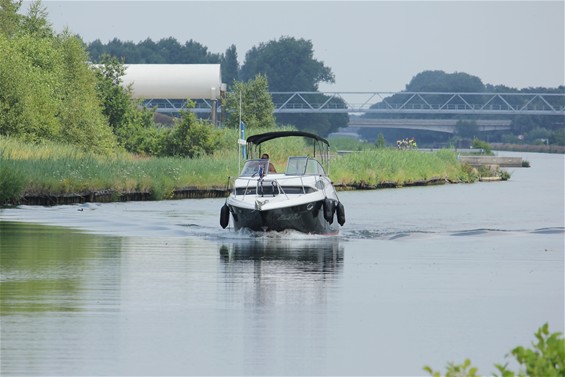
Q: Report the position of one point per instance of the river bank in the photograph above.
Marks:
(55, 174)
(108, 196)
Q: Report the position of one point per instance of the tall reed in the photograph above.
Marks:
(378, 166)
(55, 169)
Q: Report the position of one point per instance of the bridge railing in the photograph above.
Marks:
(420, 102)
(395, 103)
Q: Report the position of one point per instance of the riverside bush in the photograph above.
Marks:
(546, 358)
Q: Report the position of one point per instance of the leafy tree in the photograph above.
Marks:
(82, 122)
(256, 104)
(132, 124)
(230, 66)
(47, 90)
(538, 135)
(190, 137)
(141, 135)
(36, 23)
(148, 53)
(9, 17)
(558, 137)
(439, 81)
(96, 50)
(29, 99)
(115, 99)
(322, 124)
(195, 53)
(170, 49)
(165, 51)
(289, 65)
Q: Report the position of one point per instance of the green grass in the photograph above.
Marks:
(400, 167)
(55, 169)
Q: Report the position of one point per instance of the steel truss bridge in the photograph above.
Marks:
(393, 103)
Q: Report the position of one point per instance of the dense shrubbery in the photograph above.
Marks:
(50, 92)
(47, 89)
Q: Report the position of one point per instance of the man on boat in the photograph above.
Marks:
(272, 169)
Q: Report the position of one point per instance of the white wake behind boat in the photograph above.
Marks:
(301, 198)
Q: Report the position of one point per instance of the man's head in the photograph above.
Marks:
(265, 156)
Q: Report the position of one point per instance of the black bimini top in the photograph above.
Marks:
(261, 138)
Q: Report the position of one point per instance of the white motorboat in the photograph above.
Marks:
(302, 197)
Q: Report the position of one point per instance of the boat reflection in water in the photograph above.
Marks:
(317, 256)
(267, 272)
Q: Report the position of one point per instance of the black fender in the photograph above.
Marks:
(340, 213)
(225, 216)
(329, 209)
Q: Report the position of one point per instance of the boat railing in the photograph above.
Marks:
(273, 186)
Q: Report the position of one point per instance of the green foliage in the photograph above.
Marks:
(115, 99)
(467, 129)
(321, 124)
(380, 142)
(47, 90)
(558, 137)
(166, 50)
(52, 168)
(29, 99)
(36, 23)
(132, 124)
(480, 144)
(82, 122)
(454, 370)
(538, 135)
(190, 137)
(546, 358)
(230, 66)
(440, 81)
(9, 17)
(374, 167)
(256, 104)
(344, 143)
(289, 65)
(12, 183)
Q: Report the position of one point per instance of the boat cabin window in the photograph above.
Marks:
(252, 167)
(303, 166)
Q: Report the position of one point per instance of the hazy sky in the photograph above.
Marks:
(369, 45)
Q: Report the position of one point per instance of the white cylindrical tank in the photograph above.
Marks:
(174, 81)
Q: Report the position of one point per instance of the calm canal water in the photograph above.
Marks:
(417, 276)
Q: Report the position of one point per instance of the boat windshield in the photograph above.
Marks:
(303, 166)
(252, 168)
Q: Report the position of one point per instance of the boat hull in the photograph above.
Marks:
(305, 218)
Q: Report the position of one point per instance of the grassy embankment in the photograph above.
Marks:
(51, 170)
